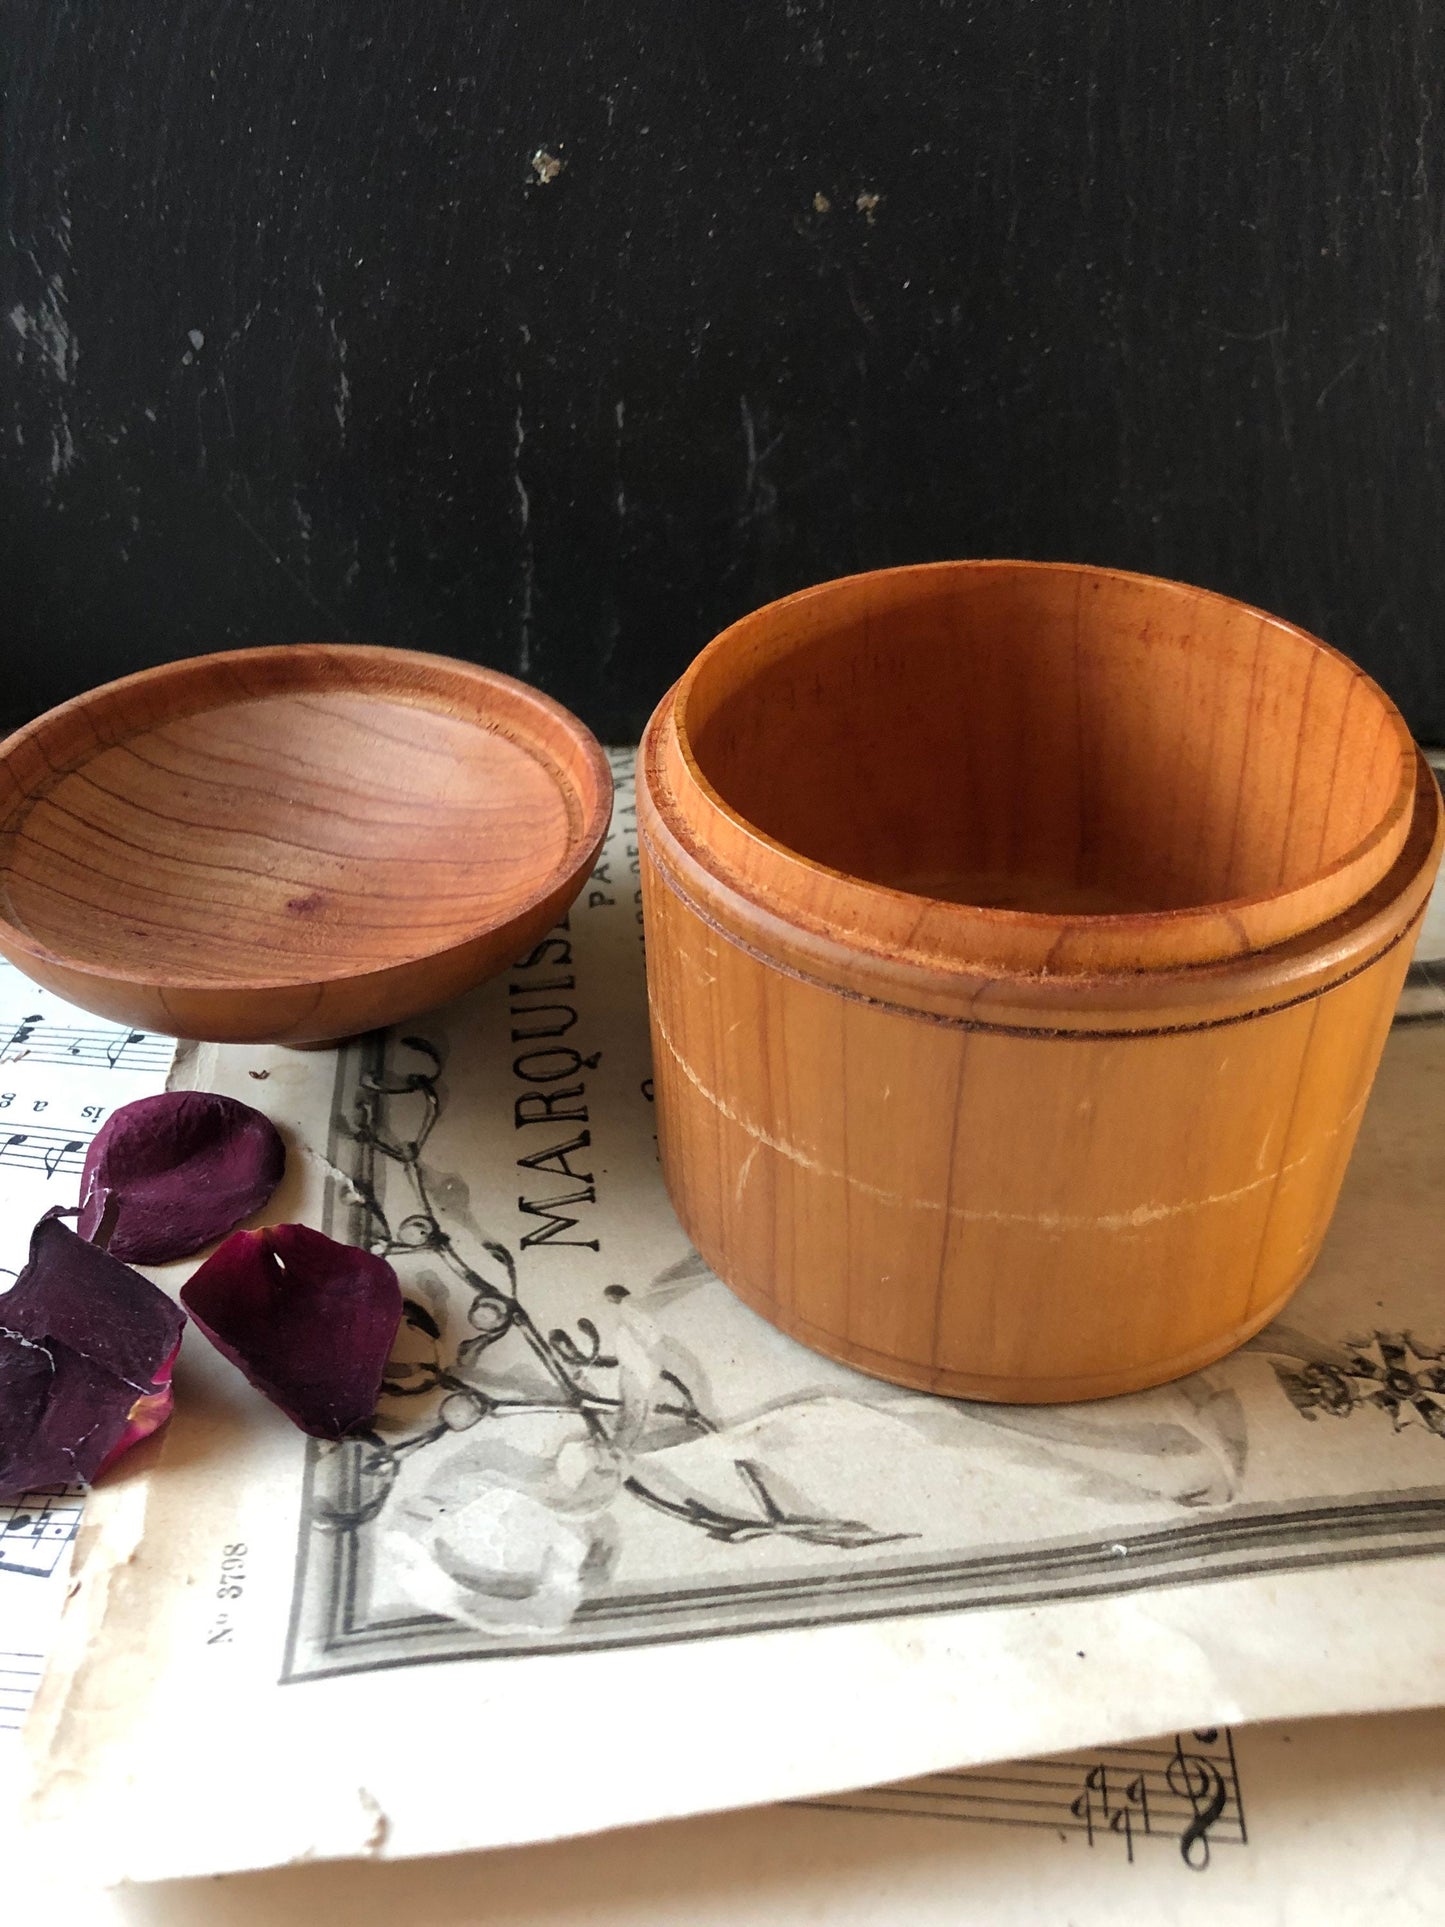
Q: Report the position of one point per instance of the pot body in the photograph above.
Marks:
(999, 1183)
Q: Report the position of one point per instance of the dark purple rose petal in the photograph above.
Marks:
(25, 1381)
(147, 1415)
(86, 1351)
(310, 1322)
(85, 1298)
(176, 1172)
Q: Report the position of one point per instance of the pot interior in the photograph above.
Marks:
(1045, 738)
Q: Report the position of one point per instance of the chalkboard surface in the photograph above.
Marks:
(556, 333)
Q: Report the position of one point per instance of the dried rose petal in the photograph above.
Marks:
(86, 1351)
(310, 1322)
(27, 1457)
(176, 1172)
(147, 1415)
(85, 1298)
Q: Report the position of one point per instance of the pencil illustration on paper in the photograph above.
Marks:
(586, 1440)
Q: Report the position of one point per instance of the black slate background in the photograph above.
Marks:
(295, 343)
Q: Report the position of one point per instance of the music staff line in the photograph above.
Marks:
(19, 1679)
(53, 1149)
(33, 1040)
(1187, 1793)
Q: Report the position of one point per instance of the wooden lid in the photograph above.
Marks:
(240, 835)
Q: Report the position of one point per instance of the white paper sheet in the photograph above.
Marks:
(62, 1072)
(619, 1551)
(1335, 1820)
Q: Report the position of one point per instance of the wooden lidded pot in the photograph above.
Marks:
(1022, 939)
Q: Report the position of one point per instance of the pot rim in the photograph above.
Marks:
(945, 935)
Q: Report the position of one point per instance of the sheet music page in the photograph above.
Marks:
(618, 1551)
(1334, 1820)
(62, 1072)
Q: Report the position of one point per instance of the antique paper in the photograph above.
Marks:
(62, 1072)
(1335, 1820)
(618, 1551)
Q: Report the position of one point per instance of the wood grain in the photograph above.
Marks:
(923, 1101)
(291, 844)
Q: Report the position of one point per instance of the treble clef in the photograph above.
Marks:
(1195, 1778)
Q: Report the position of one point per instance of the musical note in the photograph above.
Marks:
(21, 1034)
(54, 1156)
(116, 1049)
(1197, 1779)
(1083, 1809)
(1137, 1794)
(1096, 1781)
(1121, 1819)
(50, 1148)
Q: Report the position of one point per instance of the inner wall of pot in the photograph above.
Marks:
(1051, 740)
